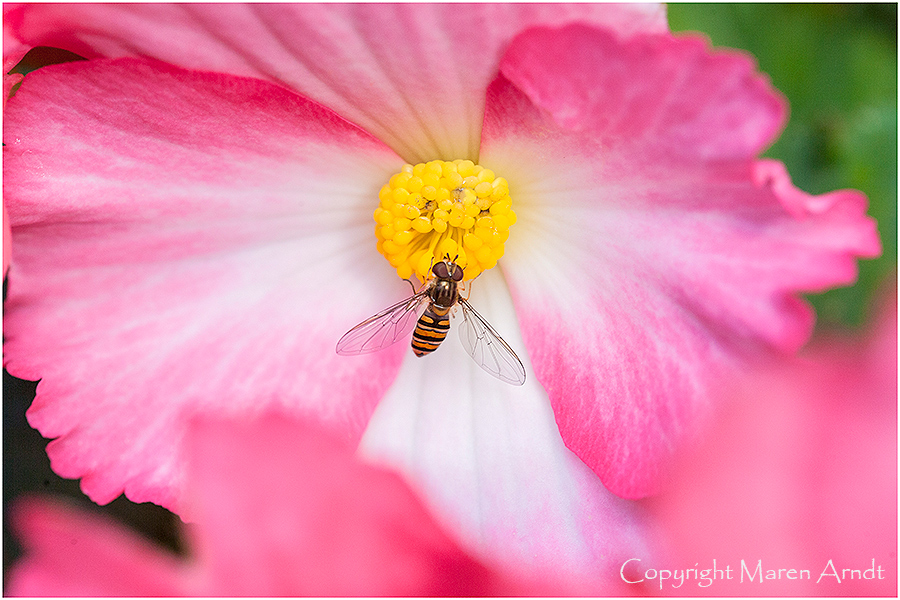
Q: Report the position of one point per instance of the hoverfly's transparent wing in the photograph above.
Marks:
(488, 349)
(385, 328)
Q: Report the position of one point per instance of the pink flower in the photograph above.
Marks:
(190, 241)
(799, 472)
(281, 510)
(12, 54)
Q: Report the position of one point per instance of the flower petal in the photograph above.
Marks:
(411, 74)
(184, 241)
(69, 552)
(799, 467)
(652, 251)
(283, 510)
(7, 242)
(489, 458)
(13, 48)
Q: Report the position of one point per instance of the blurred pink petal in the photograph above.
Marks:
(413, 75)
(13, 47)
(651, 254)
(224, 215)
(72, 552)
(799, 472)
(281, 510)
(308, 519)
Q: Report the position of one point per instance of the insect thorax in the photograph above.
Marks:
(443, 293)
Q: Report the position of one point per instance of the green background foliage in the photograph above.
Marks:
(837, 66)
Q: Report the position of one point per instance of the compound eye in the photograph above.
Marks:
(457, 274)
(440, 270)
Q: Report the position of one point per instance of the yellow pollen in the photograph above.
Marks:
(439, 208)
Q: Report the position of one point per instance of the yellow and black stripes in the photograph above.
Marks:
(431, 329)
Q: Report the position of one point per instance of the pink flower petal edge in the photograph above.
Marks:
(382, 66)
(654, 253)
(281, 509)
(184, 242)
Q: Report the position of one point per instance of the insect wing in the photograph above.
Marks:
(488, 349)
(385, 328)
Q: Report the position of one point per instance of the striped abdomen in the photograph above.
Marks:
(431, 329)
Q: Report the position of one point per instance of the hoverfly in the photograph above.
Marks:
(428, 311)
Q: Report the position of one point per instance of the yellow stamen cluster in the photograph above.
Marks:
(440, 208)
